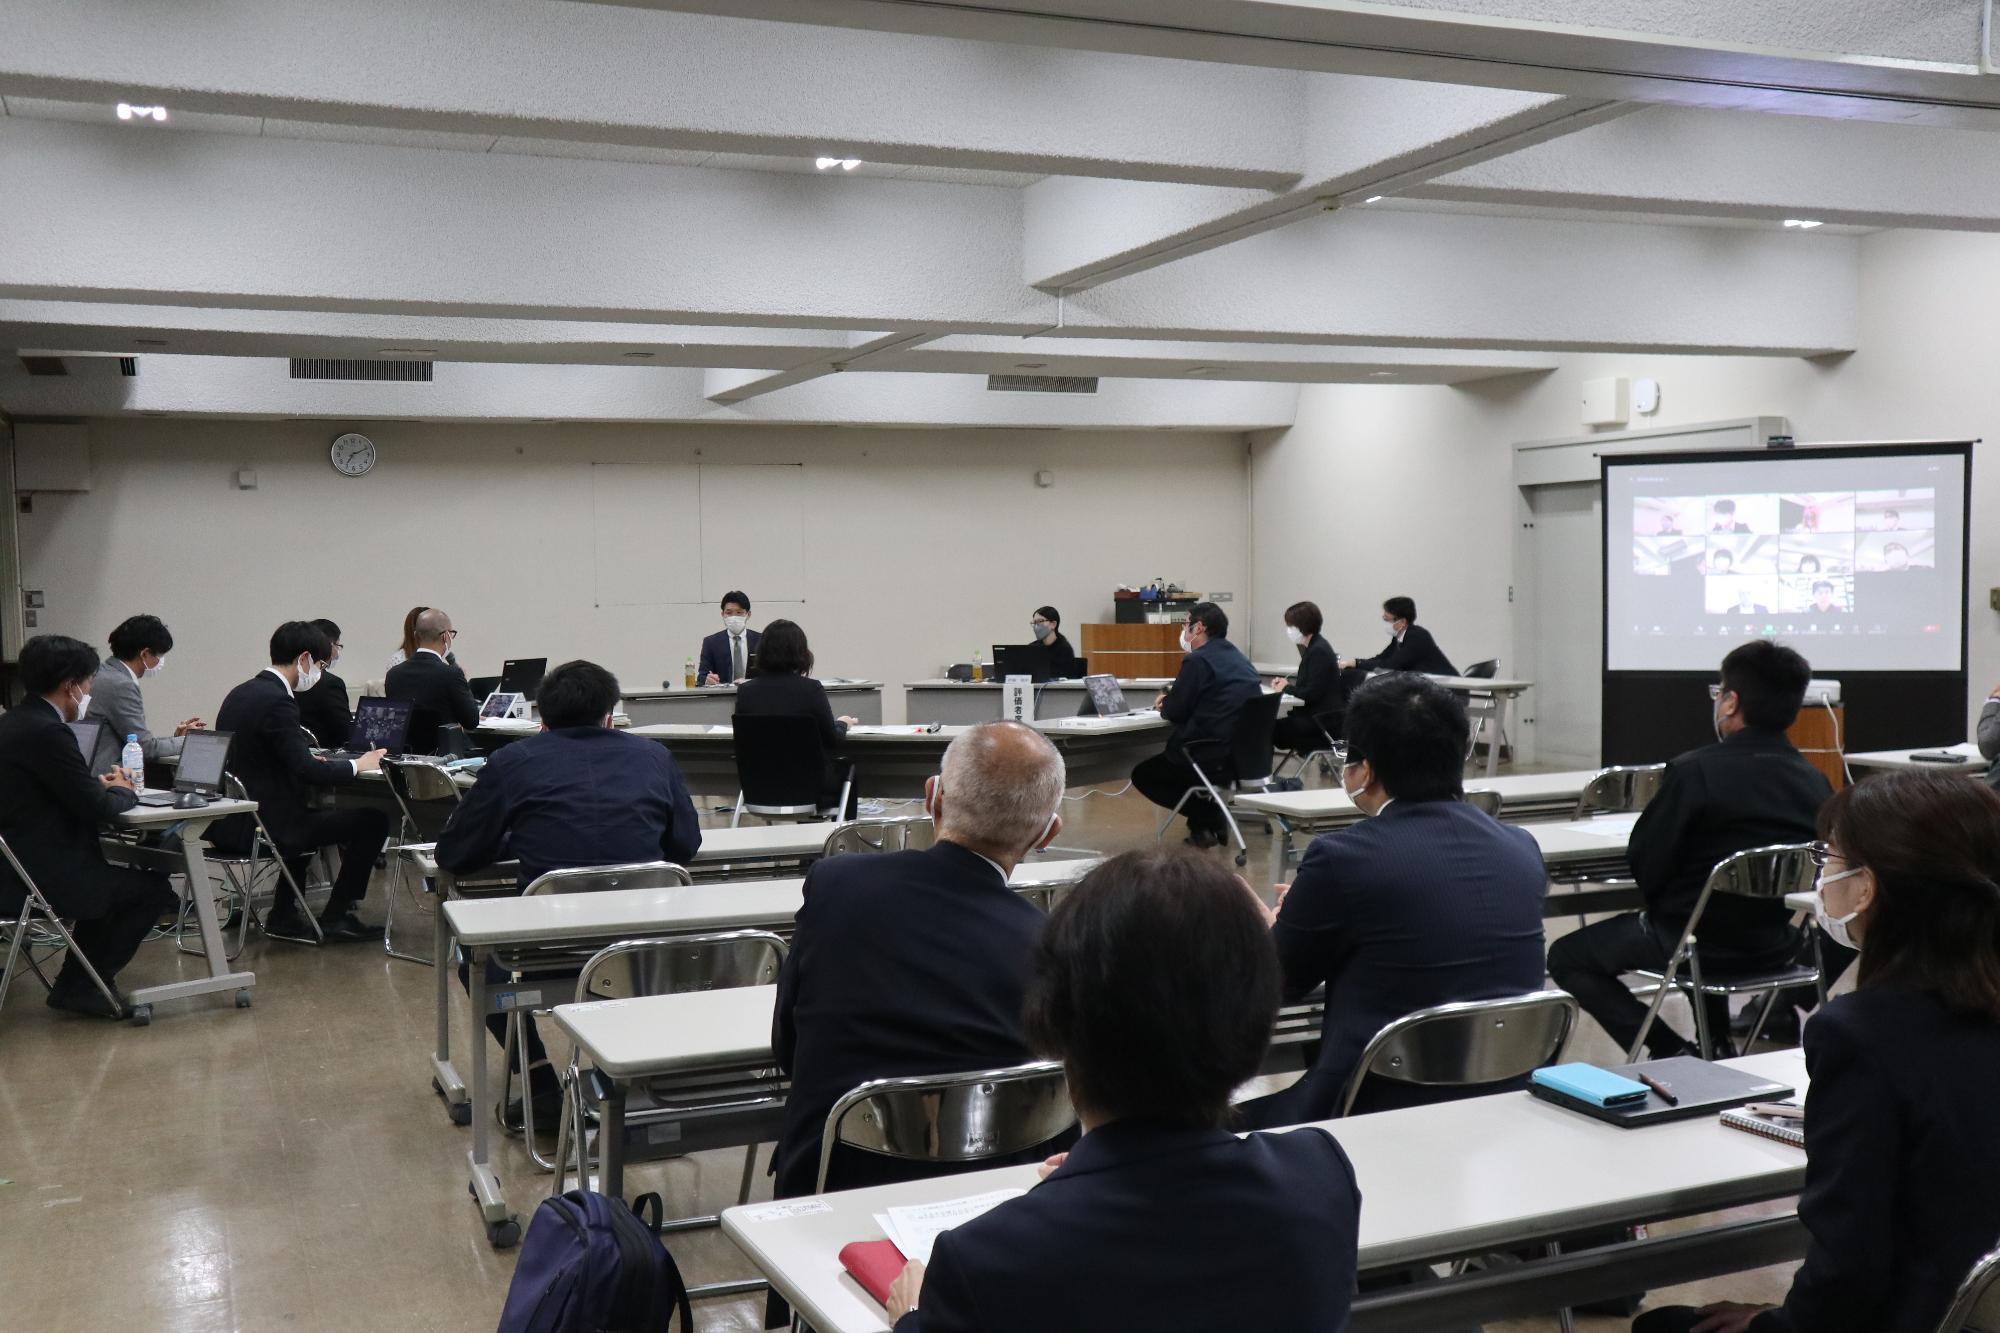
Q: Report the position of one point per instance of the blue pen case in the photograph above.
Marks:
(1589, 1084)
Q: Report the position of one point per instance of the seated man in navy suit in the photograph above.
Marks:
(1427, 901)
(1156, 987)
(577, 794)
(916, 962)
(725, 654)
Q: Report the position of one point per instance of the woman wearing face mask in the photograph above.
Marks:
(1316, 685)
(139, 648)
(1046, 628)
(1902, 1187)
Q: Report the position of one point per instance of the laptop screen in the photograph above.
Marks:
(523, 675)
(498, 704)
(88, 732)
(1105, 696)
(204, 755)
(381, 724)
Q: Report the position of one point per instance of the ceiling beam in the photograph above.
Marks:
(525, 71)
(735, 386)
(1893, 62)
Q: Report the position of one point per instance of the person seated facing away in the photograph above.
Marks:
(784, 687)
(1988, 735)
(1426, 901)
(576, 794)
(324, 709)
(1156, 987)
(1902, 1190)
(437, 689)
(1316, 685)
(725, 654)
(1749, 789)
(139, 648)
(1215, 683)
(1410, 649)
(50, 812)
(270, 756)
(1045, 627)
(915, 962)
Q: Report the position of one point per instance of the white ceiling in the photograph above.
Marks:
(1241, 196)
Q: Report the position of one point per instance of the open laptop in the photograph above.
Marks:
(1106, 696)
(1023, 659)
(483, 685)
(498, 704)
(523, 675)
(379, 724)
(89, 733)
(198, 780)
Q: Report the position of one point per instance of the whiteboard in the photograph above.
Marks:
(645, 533)
(753, 531)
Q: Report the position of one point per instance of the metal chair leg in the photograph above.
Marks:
(1565, 1320)
(1702, 1036)
(1638, 1046)
(749, 1174)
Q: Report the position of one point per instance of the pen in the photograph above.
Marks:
(1666, 1093)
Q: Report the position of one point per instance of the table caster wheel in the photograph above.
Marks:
(503, 1235)
(1243, 858)
(461, 1113)
(142, 1015)
(243, 999)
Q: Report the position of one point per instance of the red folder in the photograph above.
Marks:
(875, 1265)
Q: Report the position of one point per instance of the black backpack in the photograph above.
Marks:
(592, 1265)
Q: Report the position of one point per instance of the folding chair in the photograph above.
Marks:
(1481, 709)
(779, 765)
(909, 833)
(1976, 1308)
(1482, 798)
(245, 874)
(427, 797)
(24, 936)
(1246, 756)
(1331, 752)
(958, 1118)
(1618, 790)
(1764, 874)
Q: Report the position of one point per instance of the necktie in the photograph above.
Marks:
(736, 657)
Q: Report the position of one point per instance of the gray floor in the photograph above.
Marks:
(288, 1167)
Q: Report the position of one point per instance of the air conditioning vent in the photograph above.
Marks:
(128, 366)
(342, 368)
(47, 366)
(1041, 384)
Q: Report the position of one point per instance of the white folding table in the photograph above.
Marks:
(190, 825)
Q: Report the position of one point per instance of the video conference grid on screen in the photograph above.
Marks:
(1861, 552)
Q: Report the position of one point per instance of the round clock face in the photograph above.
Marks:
(353, 455)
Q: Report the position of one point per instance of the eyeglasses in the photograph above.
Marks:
(1818, 852)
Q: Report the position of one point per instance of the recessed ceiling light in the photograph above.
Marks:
(1381, 374)
(1803, 224)
(639, 356)
(829, 163)
(128, 111)
(1031, 365)
(1372, 199)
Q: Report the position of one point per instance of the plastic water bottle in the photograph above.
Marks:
(688, 673)
(133, 761)
(978, 665)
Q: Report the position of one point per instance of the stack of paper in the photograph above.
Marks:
(915, 1227)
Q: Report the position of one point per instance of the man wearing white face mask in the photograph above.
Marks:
(139, 648)
(269, 754)
(916, 962)
(725, 654)
(1215, 683)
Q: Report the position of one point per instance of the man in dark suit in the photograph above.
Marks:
(1749, 789)
(577, 794)
(270, 756)
(324, 709)
(438, 689)
(1411, 647)
(916, 962)
(1428, 901)
(50, 810)
(1214, 685)
(725, 654)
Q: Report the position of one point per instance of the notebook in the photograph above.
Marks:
(1770, 1126)
(1701, 1088)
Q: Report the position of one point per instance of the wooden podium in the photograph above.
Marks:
(1817, 734)
(1128, 651)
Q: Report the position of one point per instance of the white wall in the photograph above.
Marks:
(1379, 490)
(921, 546)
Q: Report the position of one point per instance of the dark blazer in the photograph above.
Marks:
(325, 712)
(1988, 736)
(1427, 903)
(1317, 681)
(441, 695)
(1064, 664)
(1902, 1165)
(581, 796)
(1147, 1226)
(1415, 651)
(787, 694)
(270, 756)
(901, 964)
(715, 655)
(1214, 683)
(51, 807)
(1751, 790)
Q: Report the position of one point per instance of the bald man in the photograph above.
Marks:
(437, 688)
(916, 962)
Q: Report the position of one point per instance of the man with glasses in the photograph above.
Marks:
(1749, 789)
(437, 689)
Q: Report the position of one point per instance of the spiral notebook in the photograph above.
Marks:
(1769, 1126)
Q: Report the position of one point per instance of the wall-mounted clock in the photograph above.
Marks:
(353, 455)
